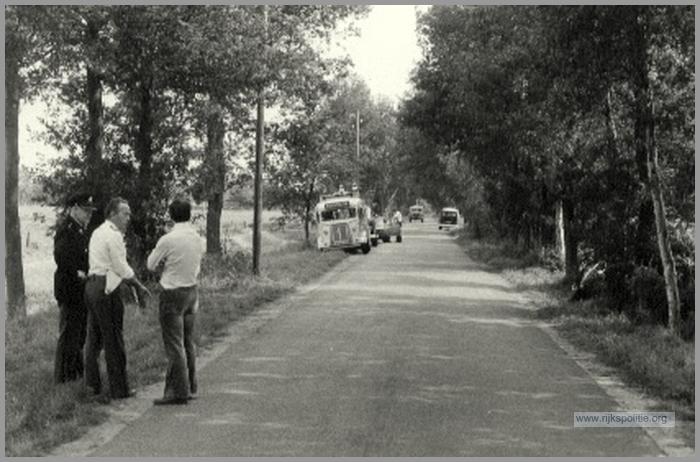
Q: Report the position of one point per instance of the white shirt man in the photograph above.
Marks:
(107, 255)
(180, 252)
(107, 268)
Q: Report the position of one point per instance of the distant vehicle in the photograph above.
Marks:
(415, 212)
(378, 230)
(449, 218)
(343, 223)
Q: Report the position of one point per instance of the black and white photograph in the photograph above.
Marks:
(276, 230)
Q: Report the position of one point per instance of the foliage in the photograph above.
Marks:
(158, 74)
(320, 151)
(527, 106)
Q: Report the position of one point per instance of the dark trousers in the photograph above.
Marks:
(177, 316)
(105, 331)
(72, 324)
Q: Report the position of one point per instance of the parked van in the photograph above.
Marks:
(449, 218)
(343, 223)
(415, 212)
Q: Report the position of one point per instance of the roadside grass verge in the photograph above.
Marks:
(646, 357)
(40, 416)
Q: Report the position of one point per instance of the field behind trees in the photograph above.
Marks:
(37, 223)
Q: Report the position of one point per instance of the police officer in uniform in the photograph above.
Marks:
(71, 257)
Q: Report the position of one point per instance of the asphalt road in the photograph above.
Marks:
(411, 350)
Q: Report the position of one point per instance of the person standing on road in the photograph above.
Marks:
(108, 269)
(398, 220)
(180, 254)
(70, 251)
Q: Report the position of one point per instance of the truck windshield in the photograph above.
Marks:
(338, 214)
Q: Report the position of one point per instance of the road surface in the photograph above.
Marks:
(411, 350)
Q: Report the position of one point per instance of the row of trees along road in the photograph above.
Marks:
(582, 116)
(162, 100)
(319, 152)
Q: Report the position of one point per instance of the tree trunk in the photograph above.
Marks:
(215, 176)
(94, 148)
(307, 213)
(15, 295)
(560, 236)
(144, 154)
(95, 144)
(669, 265)
(611, 126)
(644, 239)
(570, 243)
(646, 145)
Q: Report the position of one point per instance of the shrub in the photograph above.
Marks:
(225, 270)
(649, 295)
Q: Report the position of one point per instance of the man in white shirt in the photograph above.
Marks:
(180, 253)
(398, 220)
(107, 269)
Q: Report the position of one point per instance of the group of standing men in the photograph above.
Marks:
(92, 266)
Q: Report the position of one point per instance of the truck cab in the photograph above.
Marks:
(343, 223)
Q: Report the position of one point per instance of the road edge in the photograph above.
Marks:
(627, 398)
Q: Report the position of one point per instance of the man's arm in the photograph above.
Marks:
(64, 251)
(117, 252)
(156, 256)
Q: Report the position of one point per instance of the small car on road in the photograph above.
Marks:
(378, 230)
(449, 218)
(415, 212)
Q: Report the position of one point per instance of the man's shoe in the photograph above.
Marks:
(167, 401)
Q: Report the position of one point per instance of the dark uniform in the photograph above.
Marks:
(71, 256)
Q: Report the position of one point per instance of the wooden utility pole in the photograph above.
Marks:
(357, 134)
(259, 159)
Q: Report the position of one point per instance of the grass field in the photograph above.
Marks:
(36, 222)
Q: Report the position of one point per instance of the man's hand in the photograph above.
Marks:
(141, 291)
(142, 295)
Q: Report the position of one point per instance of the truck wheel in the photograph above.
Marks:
(375, 242)
(399, 238)
(365, 248)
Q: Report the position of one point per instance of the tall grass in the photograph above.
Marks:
(40, 415)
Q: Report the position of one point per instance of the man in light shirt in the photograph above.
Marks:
(180, 253)
(108, 268)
